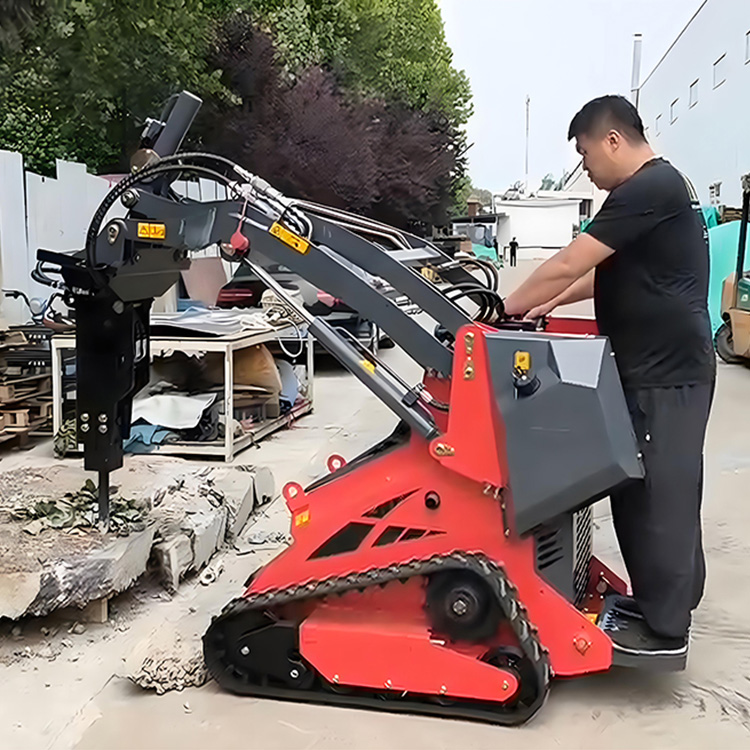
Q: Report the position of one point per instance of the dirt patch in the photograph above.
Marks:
(24, 552)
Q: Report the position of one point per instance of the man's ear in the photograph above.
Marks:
(614, 140)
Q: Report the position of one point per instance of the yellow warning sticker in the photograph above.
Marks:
(367, 365)
(302, 517)
(149, 231)
(300, 244)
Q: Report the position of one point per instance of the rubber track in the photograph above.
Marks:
(497, 713)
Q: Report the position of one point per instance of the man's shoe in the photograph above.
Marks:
(632, 636)
(626, 605)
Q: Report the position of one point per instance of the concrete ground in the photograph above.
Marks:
(79, 698)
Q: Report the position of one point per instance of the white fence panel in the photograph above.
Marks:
(13, 240)
(42, 212)
(54, 214)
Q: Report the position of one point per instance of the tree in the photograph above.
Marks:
(390, 49)
(550, 183)
(354, 102)
(482, 195)
(314, 141)
(90, 70)
(19, 15)
(393, 50)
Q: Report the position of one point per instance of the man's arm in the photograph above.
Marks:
(557, 274)
(576, 292)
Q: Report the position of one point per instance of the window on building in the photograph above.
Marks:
(673, 110)
(747, 47)
(720, 71)
(694, 93)
(658, 125)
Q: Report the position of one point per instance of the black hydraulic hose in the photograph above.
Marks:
(492, 280)
(479, 296)
(493, 271)
(123, 186)
(493, 306)
(490, 313)
(237, 169)
(492, 301)
(198, 155)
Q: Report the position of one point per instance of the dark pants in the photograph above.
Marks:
(513, 256)
(658, 520)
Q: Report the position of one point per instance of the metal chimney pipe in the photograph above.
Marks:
(635, 82)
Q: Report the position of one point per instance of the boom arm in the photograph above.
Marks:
(130, 261)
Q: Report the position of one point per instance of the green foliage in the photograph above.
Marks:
(482, 195)
(398, 50)
(390, 49)
(550, 182)
(78, 77)
(92, 69)
(17, 16)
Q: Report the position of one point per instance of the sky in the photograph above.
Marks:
(561, 53)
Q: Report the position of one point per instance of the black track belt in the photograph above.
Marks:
(252, 616)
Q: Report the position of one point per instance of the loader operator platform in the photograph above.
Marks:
(644, 260)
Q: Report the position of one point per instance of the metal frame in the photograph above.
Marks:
(227, 345)
(745, 218)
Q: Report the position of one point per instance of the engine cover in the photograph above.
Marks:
(569, 442)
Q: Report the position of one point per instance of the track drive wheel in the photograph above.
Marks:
(461, 605)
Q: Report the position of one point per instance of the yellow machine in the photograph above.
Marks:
(732, 339)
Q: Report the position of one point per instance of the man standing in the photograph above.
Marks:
(513, 245)
(644, 260)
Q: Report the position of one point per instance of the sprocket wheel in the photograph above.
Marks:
(460, 605)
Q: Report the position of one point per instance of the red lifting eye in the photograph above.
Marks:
(335, 462)
(239, 242)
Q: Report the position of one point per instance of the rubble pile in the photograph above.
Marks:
(80, 510)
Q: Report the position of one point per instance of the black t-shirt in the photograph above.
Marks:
(651, 294)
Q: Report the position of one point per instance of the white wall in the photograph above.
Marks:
(41, 212)
(539, 226)
(580, 184)
(708, 142)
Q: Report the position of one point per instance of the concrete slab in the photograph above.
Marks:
(206, 529)
(74, 581)
(53, 568)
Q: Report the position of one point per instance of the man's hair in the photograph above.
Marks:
(607, 113)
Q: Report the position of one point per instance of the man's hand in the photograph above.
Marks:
(556, 275)
(541, 311)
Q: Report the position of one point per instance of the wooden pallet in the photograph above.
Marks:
(18, 389)
(33, 412)
(21, 437)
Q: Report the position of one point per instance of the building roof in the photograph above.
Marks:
(480, 219)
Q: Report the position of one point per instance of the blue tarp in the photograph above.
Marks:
(486, 253)
(146, 437)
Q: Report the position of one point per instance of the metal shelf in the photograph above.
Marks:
(227, 345)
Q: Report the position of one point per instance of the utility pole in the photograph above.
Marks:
(635, 81)
(526, 183)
